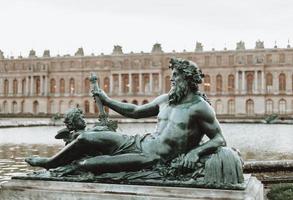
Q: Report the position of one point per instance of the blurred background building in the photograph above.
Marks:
(243, 83)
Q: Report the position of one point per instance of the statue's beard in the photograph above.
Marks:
(178, 92)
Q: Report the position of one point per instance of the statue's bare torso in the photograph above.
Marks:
(177, 130)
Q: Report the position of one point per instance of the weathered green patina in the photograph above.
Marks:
(174, 154)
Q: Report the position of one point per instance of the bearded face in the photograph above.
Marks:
(179, 89)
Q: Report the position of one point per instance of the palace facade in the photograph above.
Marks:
(246, 83)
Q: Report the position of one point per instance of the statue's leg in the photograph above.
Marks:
(117, 163)
(88, 143)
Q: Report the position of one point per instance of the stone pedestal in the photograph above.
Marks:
(53, 190)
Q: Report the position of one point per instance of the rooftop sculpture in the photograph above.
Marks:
(174, 154)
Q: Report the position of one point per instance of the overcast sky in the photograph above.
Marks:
(96, 25)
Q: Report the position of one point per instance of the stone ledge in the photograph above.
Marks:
(54, 190)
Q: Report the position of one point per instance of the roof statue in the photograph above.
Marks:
(240, 45)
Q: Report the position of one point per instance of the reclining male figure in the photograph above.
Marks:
(184, 117)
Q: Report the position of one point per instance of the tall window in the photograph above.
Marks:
(6, 87)
(219, 107)
(269, 82)
(62, 86)
(135, 83)
(231, 107)
(167, 84)
(231, 83)
(36, 107)
(23, 85)
(52, 86)
(86, 86)
(269, 59)
(106, 85)
(71, 86)
(219, 60)
(219, 84)
(281, 58)
(269, 107)
(282, 83)
(249, 82)
(14, 107)
(15, 86)
(38, 86)
(86, 106)
(125, 83)
(282, 106)
(249, 107)
(207, 83)
(207, 60)
(231, 60)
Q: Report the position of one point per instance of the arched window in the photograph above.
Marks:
(15, 86)
(249, 82)
(86, 86)
(167, 84)
(22, 106)
(144, 102)
(269, 82)
(106, 85)
(61, 106)
(52, 86)
(207, 83)
(86, 106)
(6, 87)
(135, 83)
(62, 86)
(5, 107)
(23, 85)
(231, 107)
(125, 83)
(269, 107)
(52, 107)
(219, 84)
(146, 83)
(282, 83)
(249, 107)
(124, 101)
(36, 107)
(71, 86)
(282, 106)
(219, 107)
(135, 102)
(38, 86)
(71, 104)
(231, 83)
(14, 107)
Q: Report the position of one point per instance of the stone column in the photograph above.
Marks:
(1, 86)
(263, 89)
(46, 86)
(243, 83)
(27, 86)
(41, 85)
(236, 82)
(120, 83)
(160, 82)
(19, 87)
(140, 83)
(111, 84)
(151, 82)
(10, 87)
(130, 84)
(32, 86)
(255, 82)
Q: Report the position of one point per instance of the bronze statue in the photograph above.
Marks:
(175, 149)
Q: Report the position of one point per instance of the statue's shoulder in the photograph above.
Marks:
(202, 108)
(162, 99)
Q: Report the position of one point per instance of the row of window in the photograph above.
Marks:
(71, 88)
(249, 107)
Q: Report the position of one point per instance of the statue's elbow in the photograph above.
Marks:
(223, 142)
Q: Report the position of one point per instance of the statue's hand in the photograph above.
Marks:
(100, 94)
(190, 160)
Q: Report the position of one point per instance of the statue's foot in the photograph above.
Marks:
(64, 170)
(37, 161)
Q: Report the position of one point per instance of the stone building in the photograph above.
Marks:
(240, 83)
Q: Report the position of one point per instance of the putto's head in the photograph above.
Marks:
(189, 70)
(74, 119)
